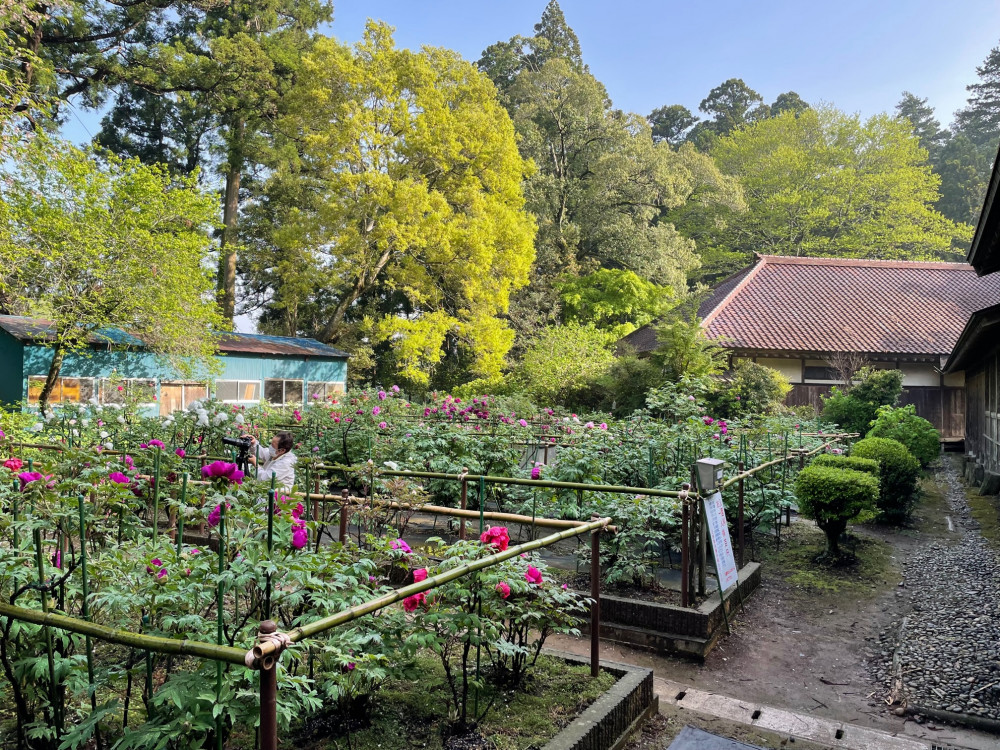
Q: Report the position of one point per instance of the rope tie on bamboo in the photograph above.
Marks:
(256, 656)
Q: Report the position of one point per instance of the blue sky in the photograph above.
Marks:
(856, 55)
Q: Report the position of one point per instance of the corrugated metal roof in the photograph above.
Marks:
(36, 329)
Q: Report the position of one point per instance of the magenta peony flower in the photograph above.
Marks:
(180, 453)
(143, 446)
(536, 471)
(162, 573)
(215, 516)
(118, 478)
(382, 395)
(420, 574)
(410, 603)
(395, 389)
(222, 470)
(497, 537)
(128, 461)
(156, 444)
(14, 464)
(534, 575)
(382, 425)
(604, 425)
(300, 537)
(522, 422)
(401, 545)
(504, 590)
(376, 410)
(708, 420)
(27, 477)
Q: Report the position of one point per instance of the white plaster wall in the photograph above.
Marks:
(919, 374)
(790, 368)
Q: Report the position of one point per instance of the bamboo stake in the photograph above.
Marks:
(88, 644)
(326, 623)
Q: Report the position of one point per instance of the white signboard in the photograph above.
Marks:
(722, 547)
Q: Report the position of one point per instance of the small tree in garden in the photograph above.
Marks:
(916, 433)
(752, 390)
(899, 472)
(855, 410)
(833, 498)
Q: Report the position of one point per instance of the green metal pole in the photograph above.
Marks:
(482, 501)
(180, 514)
(308, 489)
(218, 622)
(13, 513)
(156, 494)
(270, 547)
(149, 674)
(40, 563)
(86, 614)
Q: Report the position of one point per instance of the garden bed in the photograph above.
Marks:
(561, 707)
(667, 628)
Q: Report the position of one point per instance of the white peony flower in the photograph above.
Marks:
(37, 427)
(121, 419)
(202, 420)
(240, 419)
(194, 406)
(109, 445)
(104, 434)
(84, 422)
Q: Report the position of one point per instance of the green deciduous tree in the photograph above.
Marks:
(91, 242)
(614, 300)
(561, 364)
(824, 183)
(671, 123)
(398, 198)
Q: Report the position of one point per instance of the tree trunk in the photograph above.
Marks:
(362, 283)
(230, 212)
(58, 354)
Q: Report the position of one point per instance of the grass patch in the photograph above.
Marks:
(413, 713)
(987, 514)
(797, 561)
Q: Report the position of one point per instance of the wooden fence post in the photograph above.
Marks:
(268, 693)
(344, 494)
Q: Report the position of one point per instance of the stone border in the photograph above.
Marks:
(611, 719)
(669, 628)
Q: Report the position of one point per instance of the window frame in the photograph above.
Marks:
(59, 385)
(338, 385)
(284, 390)
(153, 383)
(259, 388)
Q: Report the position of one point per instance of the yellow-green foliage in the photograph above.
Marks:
(899, 471)
(834, 497)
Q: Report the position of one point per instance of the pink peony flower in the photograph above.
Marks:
(536, 471)
(497, 537)
(604, 425)
(118, 478)
(180, 453)
(410, 603)
(300, 536)
(395, 389)
(382, 395)
(401, 545)
(14, 464)
(222, 470)
(420, 574)
(504, 590)
(534, 575)
(156, 444)
(215, 516)
(27, 477)
(143, 446)
(382, 425)
(376, 410)
(522, 422)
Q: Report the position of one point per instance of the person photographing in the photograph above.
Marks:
(276, 461)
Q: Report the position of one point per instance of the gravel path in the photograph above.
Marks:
(945, 654)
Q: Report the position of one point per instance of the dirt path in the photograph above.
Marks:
(809, 640)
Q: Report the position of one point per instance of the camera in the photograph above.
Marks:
(243, 443)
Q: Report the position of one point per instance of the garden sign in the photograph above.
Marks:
(722, 548)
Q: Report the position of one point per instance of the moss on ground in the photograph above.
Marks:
(798, 560)
(413, 714)
(986, 511)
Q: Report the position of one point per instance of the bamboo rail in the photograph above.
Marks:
(326, 623)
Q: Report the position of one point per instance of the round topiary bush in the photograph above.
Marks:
(899, 471)
(855, 463)
(833, 497)
(916, 433)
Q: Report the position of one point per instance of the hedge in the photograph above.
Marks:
(833, 497)
(899, 471)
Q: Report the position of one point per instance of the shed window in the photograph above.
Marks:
(322, 391)
(283, 391)
(231, 391)
(71, 390)
(176, 396)
(116, 391)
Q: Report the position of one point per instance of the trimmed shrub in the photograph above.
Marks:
(750, 390)
(854, 463)
(899, 471)
(916, 433)
(834, 497)
(855, 409)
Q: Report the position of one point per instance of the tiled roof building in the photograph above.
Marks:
(796, 314)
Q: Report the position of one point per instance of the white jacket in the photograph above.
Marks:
(282, 467)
